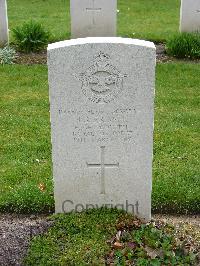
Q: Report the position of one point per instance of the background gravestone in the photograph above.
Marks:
(93, 18)
(101, 97)
(190, 16)
(3, 23)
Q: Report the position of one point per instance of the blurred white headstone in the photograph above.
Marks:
(190, 16)
(93, 18)
(3, 23)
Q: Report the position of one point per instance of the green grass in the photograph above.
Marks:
(75, 239)
(24, 139)
(25, 150)
(176, 184)
(152, 20)
(184, 45)
(90, 239)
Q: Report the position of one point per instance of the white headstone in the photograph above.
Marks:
(3, 23)
(190, 16)
(93, 18)
(101, 97)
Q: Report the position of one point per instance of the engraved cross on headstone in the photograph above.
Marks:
(93, 9)
(103, 166)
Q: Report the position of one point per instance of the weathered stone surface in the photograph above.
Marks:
(101, 96)
(93, 18)
(3, 23)
(190, 16)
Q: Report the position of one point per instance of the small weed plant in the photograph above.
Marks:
(184, 45)
(30, 37)
(7, 55)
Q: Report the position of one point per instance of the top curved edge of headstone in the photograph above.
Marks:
(111, 40)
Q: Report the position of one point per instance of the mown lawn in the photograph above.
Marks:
(25, 139)
(146, 19)
(25, 149)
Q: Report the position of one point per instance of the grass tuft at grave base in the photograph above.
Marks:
(111, 237)
(25, 149)
(151, 20)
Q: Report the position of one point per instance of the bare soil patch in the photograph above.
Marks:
(31, 58)
(16, 231)
(41, 57)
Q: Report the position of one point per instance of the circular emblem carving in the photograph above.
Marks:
(102, 82)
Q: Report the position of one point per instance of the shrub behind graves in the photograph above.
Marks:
(7, 55)
(31, 37)
(184, 45)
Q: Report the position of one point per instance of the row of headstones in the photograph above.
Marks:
(102, 18)
(98, 18)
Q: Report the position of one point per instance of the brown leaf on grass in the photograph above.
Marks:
(128, 223)
(118, 245)
(42, 187)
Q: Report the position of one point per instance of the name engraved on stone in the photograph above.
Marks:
(102, 82)
(103, 166)
(101, 133)
(93, 9)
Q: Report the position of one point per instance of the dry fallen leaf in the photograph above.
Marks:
(118, 245)
(42, 187)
